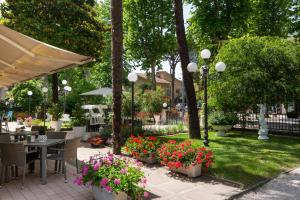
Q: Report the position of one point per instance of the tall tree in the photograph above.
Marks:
(271, 17)
(214, 21)
(117, 55)
(72, 25)
(194, 128)
(148, 26)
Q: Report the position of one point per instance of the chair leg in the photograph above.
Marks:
(2, 175)
(76, 165)
(23, 177)
(65, 171)
(55, 167)
(59, 166)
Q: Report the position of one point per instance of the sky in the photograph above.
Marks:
(165, 65)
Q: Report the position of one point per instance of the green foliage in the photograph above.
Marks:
(126, 103)
(78, 116)
(213, 22)
(153, 101)
(149, 28)
(21, 99)
(56, 111)
(259, 70)
(221, 118)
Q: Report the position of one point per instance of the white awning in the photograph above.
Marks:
(23, 58)
(100, 91)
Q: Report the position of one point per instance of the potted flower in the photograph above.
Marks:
(143, 148)
(79, 122)
(95, 141)
(56, 112)
(113, 177)
(222, 122)
(184, 158)
(28, 121)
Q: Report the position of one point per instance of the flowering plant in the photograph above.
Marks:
(28, 119)
(183, 154)
(114, 174)
(140, 146)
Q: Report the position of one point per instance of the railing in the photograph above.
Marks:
(277, 123)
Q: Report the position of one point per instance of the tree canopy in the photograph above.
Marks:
(260, 70)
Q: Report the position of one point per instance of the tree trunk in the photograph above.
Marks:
(55, 88)
(173, 85)
(153, 79)
(117, 52)
(194, 128)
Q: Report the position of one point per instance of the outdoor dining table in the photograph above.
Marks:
(43, 154)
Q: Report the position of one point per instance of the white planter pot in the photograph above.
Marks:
(56, 125)
(221, 129)
(102, 194)
(79, 131)
(149, 160)
(190, 171)
(157, 119)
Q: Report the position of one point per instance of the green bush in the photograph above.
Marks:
(78, 117)
(56, 111)
(221, 118)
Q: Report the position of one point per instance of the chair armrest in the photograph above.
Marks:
(56, 149)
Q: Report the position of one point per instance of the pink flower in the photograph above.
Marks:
(85, 170)
(117, 181)
(146, 194)
(108, 189)
(104, 182)
(96, 166)
(123, 171)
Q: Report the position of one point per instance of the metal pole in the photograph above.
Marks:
(132, 107)
(205, 73)
(65, 102)
(29, 113)
(44, 112)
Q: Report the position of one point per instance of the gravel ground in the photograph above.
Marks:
(285, 187)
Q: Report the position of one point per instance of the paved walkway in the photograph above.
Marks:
(284, 187)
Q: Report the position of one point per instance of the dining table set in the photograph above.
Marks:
(31, 142)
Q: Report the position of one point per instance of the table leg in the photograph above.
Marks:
(43, 166)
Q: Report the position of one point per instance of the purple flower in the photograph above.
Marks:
(117, 181)
(123, 171)
(78, 181)
(104, 182)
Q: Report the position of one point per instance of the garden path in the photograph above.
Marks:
(285, 187)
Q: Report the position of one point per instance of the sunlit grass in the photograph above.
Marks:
(245, 159)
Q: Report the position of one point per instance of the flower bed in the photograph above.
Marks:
(143, 148)
(114, 174)
(183, 156)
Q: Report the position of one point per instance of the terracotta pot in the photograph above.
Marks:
(190, 171)
(101, 194)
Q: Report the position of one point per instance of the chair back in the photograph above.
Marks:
(4, 138)
(70, 151)
(56, 135)
(13, 154)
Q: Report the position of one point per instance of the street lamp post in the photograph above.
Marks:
(66, 89)
(192, 67)
(29, 93)
(132, 77)
(44, 90)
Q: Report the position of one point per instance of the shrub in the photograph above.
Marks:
(114, 174)
(221, 118)
(175, 155)
(140, 146)
(79, 118)
(56, 111)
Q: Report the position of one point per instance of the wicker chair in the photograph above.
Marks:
(4, 139)
(56, 135)
(14, 154)
(67, 154)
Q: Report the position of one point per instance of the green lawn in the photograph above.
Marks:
(246, 160)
